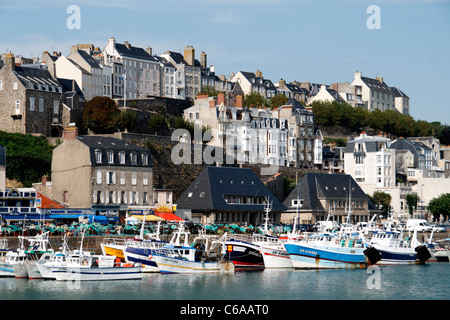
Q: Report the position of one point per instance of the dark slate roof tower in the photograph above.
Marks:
(229, 190)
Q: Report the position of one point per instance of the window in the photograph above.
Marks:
(144, 158)
(17, 107)
(133, 158)
(122, 178)
(65, 196)
(55, 107)
(98, 156)
(111, 177)
(144, 198)
(110, 157)
(1, 85)
(145, 179)
(133, 178)
(32, 104)
(15, 85)
(99, 177)
(41, 105)
(122, 157)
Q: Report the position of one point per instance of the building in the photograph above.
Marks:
(2, 168)
(188, 66)
(375, 93)
(143, 73)
(251, 82)
(103, 173)
(401, 101)
(318, 195)
(371, 162)
(292, 91)
(228, 195)
(326, 94)
(32, 100)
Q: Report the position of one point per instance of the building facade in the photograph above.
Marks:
(102, 173)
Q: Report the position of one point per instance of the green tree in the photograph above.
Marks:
(382, 200)
(440, 206)
(411, 201)
(278, 100)
(156, 122)
(125, 120)
(99, 114)
(254, 99)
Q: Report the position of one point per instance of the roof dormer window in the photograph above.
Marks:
(98, 156)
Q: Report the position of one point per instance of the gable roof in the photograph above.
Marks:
(107, 144)
(212, 184)
(134, 52)
(35, 76)
(89, 59)
(316, 186)
(376, 85)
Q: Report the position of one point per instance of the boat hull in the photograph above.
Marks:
(6, 270)
(244, 255)
(276, 257)
(20, 271)
(393, 257)
(141, 256)
(113, 250)
(96, 274)
(304, 256)
(175, 265)
(33, 270)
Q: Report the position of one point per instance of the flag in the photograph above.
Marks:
(124, 75)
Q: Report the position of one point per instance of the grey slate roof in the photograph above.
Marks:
(208, 190)
(315, 186)
(35, 76)
(105, 144)
(134, 52)
(89, 59)
(376, 85)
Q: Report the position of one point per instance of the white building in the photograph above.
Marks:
(143, 74)
(254, 82)
(371, 162)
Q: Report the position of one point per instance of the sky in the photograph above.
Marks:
(296, 40)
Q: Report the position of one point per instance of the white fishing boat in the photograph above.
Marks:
(95, 268)
(12, 259)
(139, 250)
(395, 249)
(203, 256)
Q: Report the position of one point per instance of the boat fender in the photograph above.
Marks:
(372, 254)
(84, 262)
(150, 256)
(423, 254)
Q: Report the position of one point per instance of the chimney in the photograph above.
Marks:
(127, 44)
(221, 98)
(70, 133)
(258, 74)
(239, 102)
(282, 84)
(212, 103)
(44, 180)
(189, 55)
(149, 50)
(203, 59)
(358, 75)
(73, 86)
(380, 79)
(9, 61)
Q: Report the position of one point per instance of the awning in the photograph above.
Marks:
(169, 216)
(27, 217)
(149, 217)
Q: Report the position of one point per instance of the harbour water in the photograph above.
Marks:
(409, 282)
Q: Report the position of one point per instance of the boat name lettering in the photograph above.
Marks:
(308, 252)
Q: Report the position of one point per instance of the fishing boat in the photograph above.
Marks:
(92, 267)
(139, 250)
(329, 251)
(38, 245)
(395, 249)
(12, 258)
(203, 256)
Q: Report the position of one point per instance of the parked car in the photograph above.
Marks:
(437, 228)
(421, 225)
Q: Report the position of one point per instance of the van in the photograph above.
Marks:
(421, 225)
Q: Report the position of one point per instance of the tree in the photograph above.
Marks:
(382, 200)
(99, 113)
(125, 120)
(254, 99)
(440, 206)
(156, 122)
(278, 100)
(411, 201)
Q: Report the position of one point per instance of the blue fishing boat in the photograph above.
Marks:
(328, 251)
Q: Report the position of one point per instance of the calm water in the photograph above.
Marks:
(417, 282)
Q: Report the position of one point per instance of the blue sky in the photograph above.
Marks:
(304, 40)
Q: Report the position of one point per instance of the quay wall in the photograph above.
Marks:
(92, 243)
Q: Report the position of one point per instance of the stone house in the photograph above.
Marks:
(101, 173)
(31, 100)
